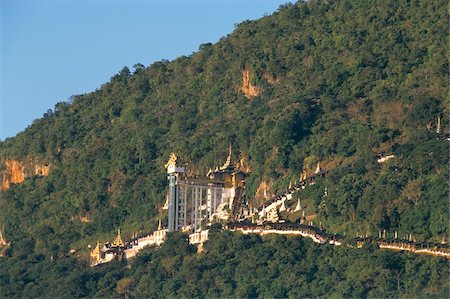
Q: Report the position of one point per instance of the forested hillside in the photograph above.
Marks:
(338, 82)
(238, 266)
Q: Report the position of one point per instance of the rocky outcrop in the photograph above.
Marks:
(243, 164)
(15, 172)
(263, 192)
(247, 87)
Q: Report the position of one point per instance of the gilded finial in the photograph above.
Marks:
(174, 165)
(97, 247)
(96, 254)
(173, 160)
(118, 241)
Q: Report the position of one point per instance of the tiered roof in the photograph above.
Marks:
(118, 241)
(173, 161)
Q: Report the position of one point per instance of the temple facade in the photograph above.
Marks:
(194, 202)
(119, 249)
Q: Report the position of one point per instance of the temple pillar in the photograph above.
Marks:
(174, 169)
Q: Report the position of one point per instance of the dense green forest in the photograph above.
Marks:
(336, 81)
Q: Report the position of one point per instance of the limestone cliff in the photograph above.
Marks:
(247, 87)
(15, 172)
(263, 192)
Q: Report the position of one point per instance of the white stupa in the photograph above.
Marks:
(263, 212)
(317, 168)
(298, 207)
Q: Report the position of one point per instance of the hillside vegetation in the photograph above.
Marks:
(236, 265)
(333, 81)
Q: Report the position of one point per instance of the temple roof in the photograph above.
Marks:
(228, 165)
(173, 161)
(118, 241)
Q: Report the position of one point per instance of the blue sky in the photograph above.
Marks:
(52, 49)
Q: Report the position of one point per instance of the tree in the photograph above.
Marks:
(125, 286)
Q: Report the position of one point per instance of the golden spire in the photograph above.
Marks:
(173, 160)
(96, 254)
(118, 241)
(97, 248)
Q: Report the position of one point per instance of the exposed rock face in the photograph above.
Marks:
(15, 172)
(263, 192)
(247, 88)
(243, 164)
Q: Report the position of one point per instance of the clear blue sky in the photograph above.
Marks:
(52, 49)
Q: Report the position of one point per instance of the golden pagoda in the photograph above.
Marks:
(118, 241)
(96, 253)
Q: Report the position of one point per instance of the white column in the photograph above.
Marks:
(214, 199)
(177, 206)
(193, 206)
(200, 203)
(209, 200)
(185, 206)
(196, 209)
